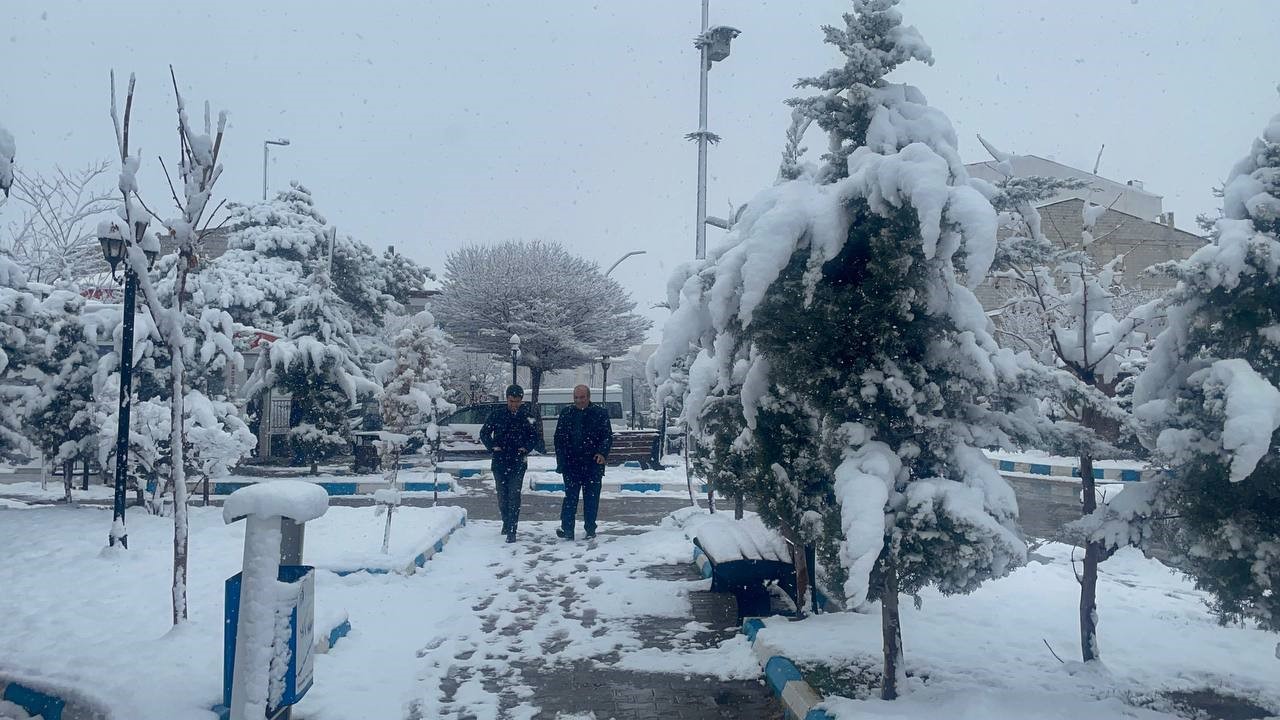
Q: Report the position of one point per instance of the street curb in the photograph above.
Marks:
(43, 702)
(799, 699)
(418, 561)
(331, 638)
(1072, 471)
(347, 488)
(557, 486)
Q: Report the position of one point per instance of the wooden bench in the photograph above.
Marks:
(635, 445)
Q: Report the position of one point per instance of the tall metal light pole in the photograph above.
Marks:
(266, 147)
(515, 355)
(713, 44)
(114, 240)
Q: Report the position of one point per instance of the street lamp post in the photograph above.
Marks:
(604, 379)
(619, 261)
(713, 44)
(266, 147)
(114, 249)
(515, 355)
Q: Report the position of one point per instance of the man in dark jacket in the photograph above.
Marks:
(583, 439)
(510, 433)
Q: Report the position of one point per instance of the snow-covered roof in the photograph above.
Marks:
(1129, 197)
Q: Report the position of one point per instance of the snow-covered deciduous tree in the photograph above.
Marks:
(564, 309)
(56, 240)
(1210, 395)
(314, 363)
(60, 413)
(198, 170)
(474, 376)
(17, 318)
(839, 316)
(1063, 307)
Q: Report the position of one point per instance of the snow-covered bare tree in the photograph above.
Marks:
(564, 309)
(474, 376)
(1210, 395)
(839, 317)
(1065, 309)
(198, 169)
(56, 240)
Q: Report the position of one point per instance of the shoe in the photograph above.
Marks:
(590, 536)
(511, 536)
(560, 533)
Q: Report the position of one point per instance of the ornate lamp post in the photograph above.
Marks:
(115, 246)
(515, 355)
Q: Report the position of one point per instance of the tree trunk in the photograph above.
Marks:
(1089, 576)
(739, 506)
(804, 574)
(315, 466)
(891, 630)
(84, 475)
(68, 478)
(177, 465)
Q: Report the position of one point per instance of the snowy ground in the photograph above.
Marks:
(455, 640)
(984, 655)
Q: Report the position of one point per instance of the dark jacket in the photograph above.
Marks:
(595, 437)
(512, 432)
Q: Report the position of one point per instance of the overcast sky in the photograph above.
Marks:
(429, 125)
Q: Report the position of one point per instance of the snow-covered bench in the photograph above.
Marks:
(740, 555)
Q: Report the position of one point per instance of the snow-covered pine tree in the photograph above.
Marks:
(413, 398)
(837, 300)
(1210, 395)
(17, 309)
(272, 248)
(60, 414)
(1080, 325)
(314, 364)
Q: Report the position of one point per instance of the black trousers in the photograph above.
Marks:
(588, 485)
(509, 478)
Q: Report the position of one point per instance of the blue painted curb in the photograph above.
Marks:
(418, 561)
(34, 702)
(557, 486)
(785, 679)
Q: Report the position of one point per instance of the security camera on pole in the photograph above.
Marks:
(714, 46)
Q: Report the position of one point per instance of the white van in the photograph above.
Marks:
(461, 429)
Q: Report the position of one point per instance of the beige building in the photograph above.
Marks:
(1134, 225)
